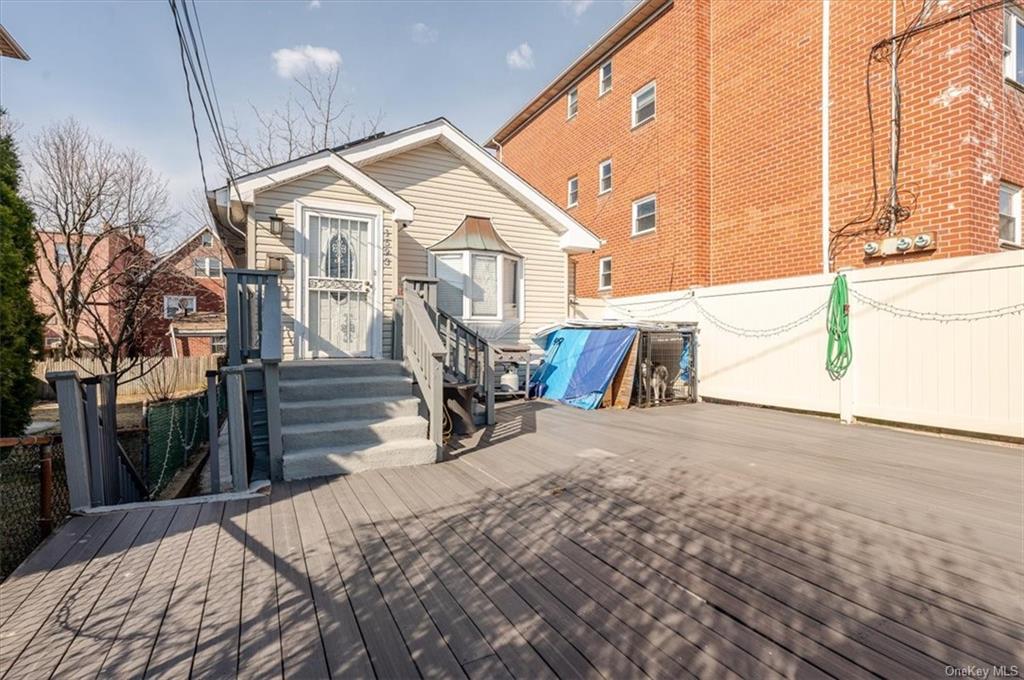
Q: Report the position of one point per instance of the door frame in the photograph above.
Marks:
(300, 228)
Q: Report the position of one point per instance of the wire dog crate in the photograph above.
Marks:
(666, 367)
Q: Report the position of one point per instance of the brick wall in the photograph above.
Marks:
(735, 151)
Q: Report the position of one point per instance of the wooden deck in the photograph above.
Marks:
(693, 541)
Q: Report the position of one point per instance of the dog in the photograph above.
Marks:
(654, 381)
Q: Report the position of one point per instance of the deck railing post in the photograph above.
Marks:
(97, 461)
(111, 459)
(397, 335)
(237, 449)
(234, 339)
(45, 490)
(213, 429)
(73, 434)
(488, 368)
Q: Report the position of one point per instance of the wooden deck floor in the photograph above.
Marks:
(696, 541)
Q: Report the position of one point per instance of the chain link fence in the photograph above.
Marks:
(27, 481)
(176, 430)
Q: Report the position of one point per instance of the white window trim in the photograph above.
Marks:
(1015, 211)
(206, 267)
(600, 273)
(61, 260)
(467, 303)
(569, 203)
(600, 176)
(601, 89)
(1011, 48)
(654, 86)
(636, 204)
(572, 96)
(179, 297)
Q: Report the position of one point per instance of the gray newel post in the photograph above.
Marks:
(212, 425)
(236, 426)
(74, 437)
(270, 357)
(234, 339)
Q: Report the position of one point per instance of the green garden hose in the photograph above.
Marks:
(840, 351)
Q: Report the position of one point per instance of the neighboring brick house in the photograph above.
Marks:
(190, 290)
(713, 109)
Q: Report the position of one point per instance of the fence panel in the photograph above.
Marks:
(175, 431)
(170, 375)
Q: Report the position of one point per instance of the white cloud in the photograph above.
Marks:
(291, 62)
(521, 58)
(576, 7)
(423, 34)
(314, 4)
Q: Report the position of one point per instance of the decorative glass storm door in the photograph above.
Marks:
(339, 285)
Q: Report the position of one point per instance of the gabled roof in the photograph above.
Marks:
(9, 47)
(574, 237)
(261, 180)
(181, 246)
(633, 21)
(474, 233)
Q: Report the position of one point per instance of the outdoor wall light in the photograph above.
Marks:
(276, 225)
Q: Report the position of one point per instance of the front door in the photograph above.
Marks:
(340, 274)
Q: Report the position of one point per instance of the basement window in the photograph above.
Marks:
(604, 273)
(644, 103)
(572, 104)
(645, 215)
(1013, 47)
(1009, 214)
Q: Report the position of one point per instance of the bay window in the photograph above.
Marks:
(479, 286)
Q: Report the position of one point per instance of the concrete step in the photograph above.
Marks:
(339, 368)
(345, 460)
(334, 388)
(351, 432)
(337, 410)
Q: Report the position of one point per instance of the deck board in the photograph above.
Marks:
(701, 541)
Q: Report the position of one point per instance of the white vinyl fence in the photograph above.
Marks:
(938, 344)
(156, 375)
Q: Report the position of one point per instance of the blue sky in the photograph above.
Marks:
(115, 65)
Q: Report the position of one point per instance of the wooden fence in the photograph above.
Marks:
(169, 375)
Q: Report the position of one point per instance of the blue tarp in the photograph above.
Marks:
(579, 364)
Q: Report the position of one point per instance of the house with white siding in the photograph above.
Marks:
(345, 227)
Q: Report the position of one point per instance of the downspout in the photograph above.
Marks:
(497, 145)
(825, 104)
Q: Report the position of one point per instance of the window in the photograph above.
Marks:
(644, 215)
(606, 78)
(572, 192)
(479, 286)
(206, 267)
(1013, 47)
(604, 273)
(643, 104)
(63, 256)
(604, 177)
(207, 238)
(179, 305)
(1009, 214)
(572, 103)
(219, 344)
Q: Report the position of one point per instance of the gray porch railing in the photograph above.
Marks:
(98, 470)
(424, 354)
(254, 349)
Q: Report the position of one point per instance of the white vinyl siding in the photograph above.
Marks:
(572, 103)
(604, 78)
(645, 215)
(444, 190)
(604, 273)
(604, 177)
(323, 186)
(572, 192)
(644, 101)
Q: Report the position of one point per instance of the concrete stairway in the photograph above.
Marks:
(348, 415)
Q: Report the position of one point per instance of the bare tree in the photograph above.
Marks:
(311, 118)
(97, 210)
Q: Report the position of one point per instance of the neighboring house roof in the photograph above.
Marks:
(181, 246)
(9, 47)
(199, 323)
(248, 185)
(474, 233)
(623, 30)
(574, 237)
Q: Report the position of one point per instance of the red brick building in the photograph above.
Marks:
(733, 148)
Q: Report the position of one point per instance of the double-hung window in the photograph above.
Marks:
(1013, 46)
(63, 256)
(1010, 214)
(604, 177)
(179, 305)
(572, 103)
(572, 192)
(605, 83)
(644, 103)
(645, 214)
(479, 286)
(208, 267)
(604, 273)
(207, 238)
